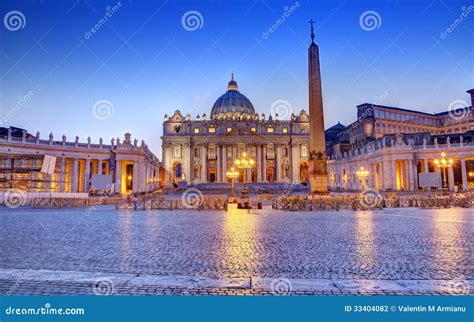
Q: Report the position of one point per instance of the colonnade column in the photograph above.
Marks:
(87, 175)
(450, 178)
(61, 174)
(264, 163)
(393, 174)
(204, 163)
(136, 177)
(100, 167)
(426, 166)
(411, 175)
(463, 173)
(118, 176)
(75, 165)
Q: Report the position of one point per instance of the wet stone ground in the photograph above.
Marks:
(384, 245)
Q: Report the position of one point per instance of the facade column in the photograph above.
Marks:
(204, 163)
(75, 166)
(249, 171)
(218, 161)
(451, 179)
(187, 162)
(264, 163)
(295, 163)
(118, 176)
(167, 164)
(463, 173)
(224, 163)
(374, 181)
(411, 175)
(277, 162)
(87, 175)
(259, 163)
(426, 166)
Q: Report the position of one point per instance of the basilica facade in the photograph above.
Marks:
(203, 149)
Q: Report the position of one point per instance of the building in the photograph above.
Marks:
(32, 164)
(202, 150)
(398, 147)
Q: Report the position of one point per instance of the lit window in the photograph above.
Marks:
(304, 151)
(196, 130)
(270, 130)
(285, 130)
(253, 129)
(229, 129)
(212, 130)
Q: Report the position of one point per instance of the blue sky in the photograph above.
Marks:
(145, 62)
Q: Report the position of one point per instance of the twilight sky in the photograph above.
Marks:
(64, 70)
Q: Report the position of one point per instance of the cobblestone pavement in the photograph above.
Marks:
(402, 245)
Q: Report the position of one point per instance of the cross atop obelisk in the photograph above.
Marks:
(312, 30)
(317, 163)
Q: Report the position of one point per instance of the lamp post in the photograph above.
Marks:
(362, 174)
(232, 174)
(444, 163)
(243, 163)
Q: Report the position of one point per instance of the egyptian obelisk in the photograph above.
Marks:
(317, 143)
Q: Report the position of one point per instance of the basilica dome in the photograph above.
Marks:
(232, 105)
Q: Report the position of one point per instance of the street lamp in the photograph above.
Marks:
(243, 163)
(232, 174)
(362, 174)
(444, 163)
